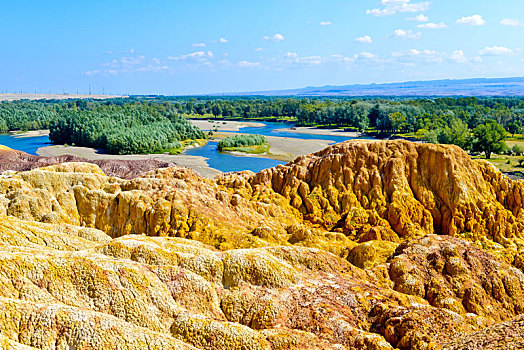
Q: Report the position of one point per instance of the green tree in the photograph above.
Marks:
(431, 136)
(513, 128)
(399, 121)
(457, 133)
(489, 138)
(216, 110)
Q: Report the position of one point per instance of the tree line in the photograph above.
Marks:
(151, 123)
(135, 128)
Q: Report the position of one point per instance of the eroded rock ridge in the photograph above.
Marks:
(364, 245)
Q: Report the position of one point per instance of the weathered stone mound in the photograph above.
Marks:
(21, 161)
(135, 292)
(452, 274)
(504, 335)
(348, 248)
(399, 189)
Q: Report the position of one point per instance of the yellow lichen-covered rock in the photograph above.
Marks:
(400, 189)
(6, 343)
(370, 254)
(62, 327)
(354, 191)
(455, 275)
(348, 248)
(503, 335)
(176, 293)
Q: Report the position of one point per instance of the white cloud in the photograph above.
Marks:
(367, 55)
(366, 39)
(130, 64)
(258, 49)
(496, 51)
(276, 37)
(199, 45)
(309, 60)
(511, 22)
(342, 59)
(458, 56)
(379, 12)
(198, 55)
(475, 20)
(419, 18)
(405, 34)
(248, 64)
(326, 23)
(411, 57)
(390, 7)
(223, 40)
(292, 58)
(432, 25)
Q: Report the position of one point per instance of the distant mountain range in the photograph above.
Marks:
(447, 87)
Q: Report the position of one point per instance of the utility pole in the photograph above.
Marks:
(89, 89)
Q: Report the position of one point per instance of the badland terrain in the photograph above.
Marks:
(363, 245)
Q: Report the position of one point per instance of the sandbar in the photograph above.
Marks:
(196, 163)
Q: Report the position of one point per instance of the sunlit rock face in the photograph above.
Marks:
(364, 245)
(398, 189)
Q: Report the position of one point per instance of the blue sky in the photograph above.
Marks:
(210, 46)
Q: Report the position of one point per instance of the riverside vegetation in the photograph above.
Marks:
(255, 144)
(367, 245)
(479, 125)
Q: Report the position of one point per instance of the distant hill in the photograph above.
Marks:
(448, 87)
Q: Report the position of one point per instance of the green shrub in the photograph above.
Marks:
(241, 141)
(517, 150)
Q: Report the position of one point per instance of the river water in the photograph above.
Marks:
(218, 160)
(25, 144)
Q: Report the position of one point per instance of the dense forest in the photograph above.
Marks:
(116, 126)
(146, 124)
(124, 129)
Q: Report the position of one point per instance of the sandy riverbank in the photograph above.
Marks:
(224, 125)
(317, 131)
(32, 133)
(194, 162)
(283, 148)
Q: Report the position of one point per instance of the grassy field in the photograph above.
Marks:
(186, 143)
(258, 149)
(509, 164)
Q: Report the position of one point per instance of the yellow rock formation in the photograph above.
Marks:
(348, 248)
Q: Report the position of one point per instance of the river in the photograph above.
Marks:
(218, 160)
(26, 144)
